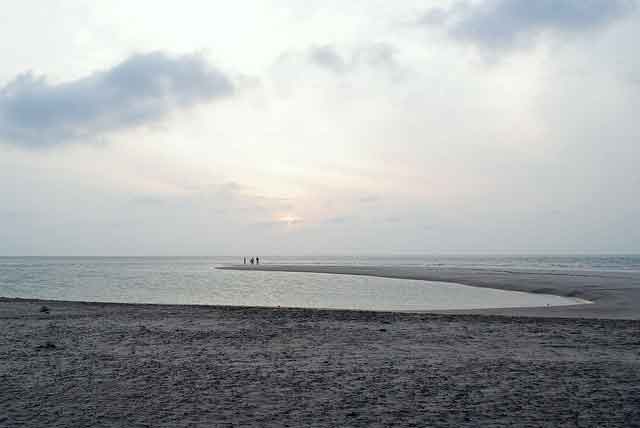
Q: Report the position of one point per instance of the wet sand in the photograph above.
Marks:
(117, 365)
(615, 295)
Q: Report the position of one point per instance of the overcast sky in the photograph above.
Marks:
(319, 127)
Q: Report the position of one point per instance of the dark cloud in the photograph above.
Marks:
(140, 90)
(504, 24)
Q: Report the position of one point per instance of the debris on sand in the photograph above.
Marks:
(48, 345)
(44, 309)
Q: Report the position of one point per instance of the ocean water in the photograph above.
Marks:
(195, 280)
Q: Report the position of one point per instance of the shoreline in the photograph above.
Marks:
(603, 294)
(613, 295)
(449, 313)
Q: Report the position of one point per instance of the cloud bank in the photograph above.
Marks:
(140, 90)
(505, 24)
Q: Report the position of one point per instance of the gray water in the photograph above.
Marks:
(195, 280)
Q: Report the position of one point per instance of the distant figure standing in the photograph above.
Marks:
(245, 261)
(257, 260)
(251, 260)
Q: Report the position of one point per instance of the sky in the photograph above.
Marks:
(320, 127)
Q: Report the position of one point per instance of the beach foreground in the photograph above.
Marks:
(118, 365)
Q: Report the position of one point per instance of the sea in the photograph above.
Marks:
(197, 281)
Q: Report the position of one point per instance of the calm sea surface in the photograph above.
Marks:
(194, 280)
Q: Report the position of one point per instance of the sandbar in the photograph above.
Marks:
(614, 295)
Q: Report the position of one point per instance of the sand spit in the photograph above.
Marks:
(615, 295)
(116, 365)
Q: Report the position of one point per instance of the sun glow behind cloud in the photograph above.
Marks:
(289, 219)
(386, 133)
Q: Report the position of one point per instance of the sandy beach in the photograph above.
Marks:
(118, 365)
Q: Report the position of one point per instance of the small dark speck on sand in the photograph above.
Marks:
(48, 345)
(44, 309)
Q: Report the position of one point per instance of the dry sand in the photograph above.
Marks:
(115, 365)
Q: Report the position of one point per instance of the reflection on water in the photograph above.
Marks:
(196, 281)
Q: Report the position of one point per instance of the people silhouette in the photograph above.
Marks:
(245, 261)
(257, 260)
(251, 260)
